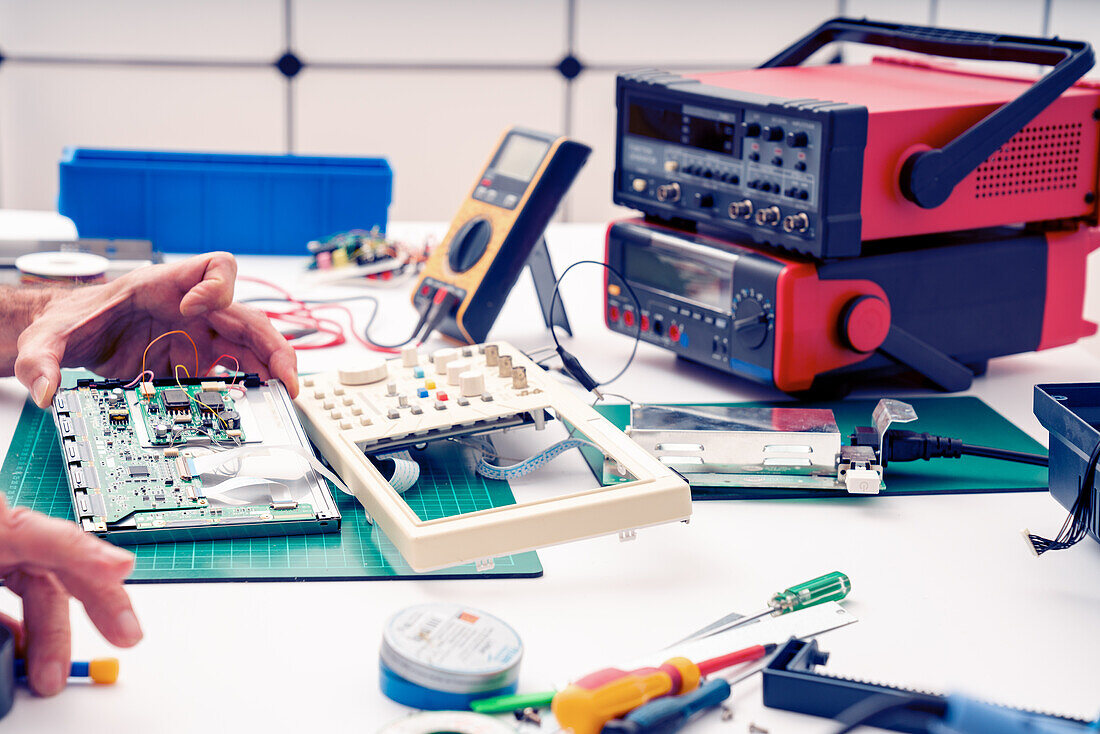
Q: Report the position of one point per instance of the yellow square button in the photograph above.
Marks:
(430, 384)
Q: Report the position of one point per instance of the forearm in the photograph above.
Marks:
(18, 308)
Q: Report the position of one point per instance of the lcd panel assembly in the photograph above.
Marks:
(195, 459)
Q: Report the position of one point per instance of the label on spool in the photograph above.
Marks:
(449, 722)
(70, 268)
(448, 647)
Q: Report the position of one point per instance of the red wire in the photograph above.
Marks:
(724, 661)
(304, 316)
(236, 366)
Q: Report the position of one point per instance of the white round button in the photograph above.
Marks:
(441, 357)
(454, 369)
(472, 383)
(371, 369)
(409, 357)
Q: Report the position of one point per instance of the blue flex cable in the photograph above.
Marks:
(523, 468)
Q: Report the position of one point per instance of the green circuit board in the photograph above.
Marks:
(174, 414)
(130, 460)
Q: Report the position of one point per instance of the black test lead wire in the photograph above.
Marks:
(570, 364)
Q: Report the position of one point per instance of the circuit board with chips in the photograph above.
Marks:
(134, 458)
(176, 413)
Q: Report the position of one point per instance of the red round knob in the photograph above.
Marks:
(865, 323)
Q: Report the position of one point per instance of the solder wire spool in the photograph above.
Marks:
(65, 268)
(444, 656)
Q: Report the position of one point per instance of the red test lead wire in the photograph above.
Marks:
(304, 315)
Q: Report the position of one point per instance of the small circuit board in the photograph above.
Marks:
(176, 413)
(131, 456)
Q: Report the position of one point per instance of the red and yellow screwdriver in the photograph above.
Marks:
(585, 705)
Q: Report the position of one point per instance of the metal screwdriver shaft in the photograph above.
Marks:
(830, 587)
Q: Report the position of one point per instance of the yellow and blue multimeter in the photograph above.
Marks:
(498, 231)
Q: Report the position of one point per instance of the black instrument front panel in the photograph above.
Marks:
(704, 299)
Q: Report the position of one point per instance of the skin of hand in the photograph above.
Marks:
(105, 328)
(45, 561)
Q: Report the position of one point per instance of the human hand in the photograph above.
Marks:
(45, 561)
(106, 327)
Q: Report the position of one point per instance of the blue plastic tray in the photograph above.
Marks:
(198, 202)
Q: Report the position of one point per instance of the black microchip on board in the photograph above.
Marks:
(175, 399)
(211, 400)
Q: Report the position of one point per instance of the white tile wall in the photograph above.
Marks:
(631, 33)
(489, 31)
(437, 129)
(46, 107)
(435, 123)
(594, 124)
(1079, 20)
(195, 29)
(1023, 17)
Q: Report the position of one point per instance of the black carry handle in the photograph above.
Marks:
(927, 178)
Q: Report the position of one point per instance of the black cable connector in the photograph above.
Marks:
(572, 367)
(909, 446)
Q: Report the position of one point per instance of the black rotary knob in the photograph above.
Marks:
(750, 323)
(469, 244)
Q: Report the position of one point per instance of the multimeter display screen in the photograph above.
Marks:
(680, 274)
(520, 157)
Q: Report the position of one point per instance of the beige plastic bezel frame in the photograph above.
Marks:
(656, 494)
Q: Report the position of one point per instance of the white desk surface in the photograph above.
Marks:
(947, 594)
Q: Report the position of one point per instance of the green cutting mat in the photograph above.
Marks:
(966, 418)
(31, 476)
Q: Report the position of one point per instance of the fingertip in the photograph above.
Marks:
(114, 561)
(127, 629)
(40, 374)
(42, 391)
(47, 678)
(284, 365)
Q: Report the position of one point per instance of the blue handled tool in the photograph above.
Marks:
(670, 714)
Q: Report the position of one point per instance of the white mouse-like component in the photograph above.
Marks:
(370, 369)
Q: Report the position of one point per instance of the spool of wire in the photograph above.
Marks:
(443, 656)
(64, 268)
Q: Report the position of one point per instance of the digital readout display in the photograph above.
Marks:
(680, 274)
(520, 157)
(664, 122)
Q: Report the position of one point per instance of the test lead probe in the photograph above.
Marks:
(570, 364)
(431, 314)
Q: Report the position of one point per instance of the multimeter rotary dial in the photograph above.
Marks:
(752, 317)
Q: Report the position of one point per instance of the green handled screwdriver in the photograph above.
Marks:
(830, 587)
